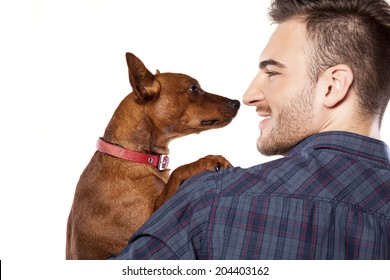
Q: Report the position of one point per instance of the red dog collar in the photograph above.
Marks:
(161, 161)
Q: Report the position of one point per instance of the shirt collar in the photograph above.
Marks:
(347, 142)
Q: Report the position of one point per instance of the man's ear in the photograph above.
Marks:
(141, 79)
(336, 82)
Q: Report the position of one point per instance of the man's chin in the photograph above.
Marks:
(271, 147)
(264, 147)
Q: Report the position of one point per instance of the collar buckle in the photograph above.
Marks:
(163, 162)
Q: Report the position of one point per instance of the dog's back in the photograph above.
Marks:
(111, 195)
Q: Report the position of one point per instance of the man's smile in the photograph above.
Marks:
(265, 114)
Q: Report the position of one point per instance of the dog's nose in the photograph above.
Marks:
(235, 104)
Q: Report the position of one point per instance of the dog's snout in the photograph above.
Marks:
(235, 104)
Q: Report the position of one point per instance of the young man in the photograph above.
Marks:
(322, 89)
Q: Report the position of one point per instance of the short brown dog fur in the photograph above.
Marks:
(114, 197)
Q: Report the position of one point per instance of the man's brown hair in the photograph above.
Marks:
(351, 32)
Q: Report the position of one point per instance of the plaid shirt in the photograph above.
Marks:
(329, 198)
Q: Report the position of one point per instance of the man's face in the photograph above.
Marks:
(282, 92)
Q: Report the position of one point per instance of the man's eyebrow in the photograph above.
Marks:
(263, 64)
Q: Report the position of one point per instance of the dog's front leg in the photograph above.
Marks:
(184, 172)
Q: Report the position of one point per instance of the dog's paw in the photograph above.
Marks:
(208, 163)
(212, 162)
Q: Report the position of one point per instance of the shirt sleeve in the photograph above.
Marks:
(146, 247)
(176, 229)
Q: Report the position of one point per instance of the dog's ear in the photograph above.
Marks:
(144, 85)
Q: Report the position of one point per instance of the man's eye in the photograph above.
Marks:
(271, 73)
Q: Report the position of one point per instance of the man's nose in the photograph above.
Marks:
(253, 94)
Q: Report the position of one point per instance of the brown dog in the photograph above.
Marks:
(125, 181)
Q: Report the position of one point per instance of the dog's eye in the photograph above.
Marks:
(195, 89)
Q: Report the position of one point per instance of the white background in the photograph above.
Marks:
(63, 73)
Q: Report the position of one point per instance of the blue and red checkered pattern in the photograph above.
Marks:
(329, 198)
